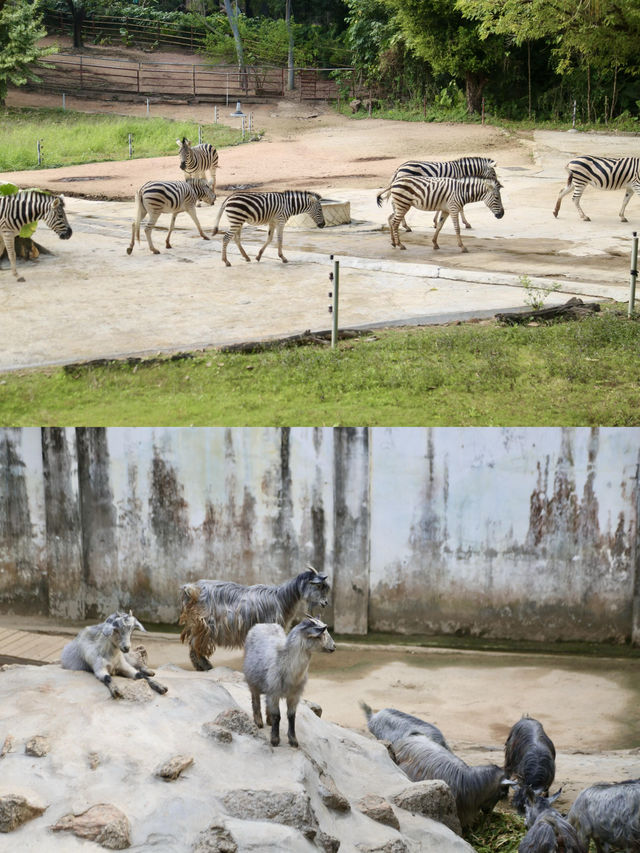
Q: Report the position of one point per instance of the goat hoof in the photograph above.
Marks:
(275, 741)
(293, 742)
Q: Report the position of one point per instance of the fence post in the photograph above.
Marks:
(39, 150)
(334, 277)
(130, 145)
(634, 274)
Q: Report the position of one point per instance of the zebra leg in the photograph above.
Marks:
(563, 192)
(456, 224)
(280, 231)
(443, 218)
(225, 243)
(575, 198)
(8, 238)
(148, 228)
(404, 224)
(272, 226)
(192, 214)
(399, 212)
(627, 196)
(467, 224)
(236, 237)
(171, 224)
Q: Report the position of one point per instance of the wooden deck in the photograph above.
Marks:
(29, 647)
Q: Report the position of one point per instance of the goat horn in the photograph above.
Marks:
(310, 567)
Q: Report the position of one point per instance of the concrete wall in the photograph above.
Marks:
(522, 533)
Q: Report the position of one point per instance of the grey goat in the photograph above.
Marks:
(548, 831)
(392, 725)
(474, 789)
(105, 650)
(220, 613)
(530, 757)
(610, 815)
(277, 664)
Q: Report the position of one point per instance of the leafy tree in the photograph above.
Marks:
(20, 30)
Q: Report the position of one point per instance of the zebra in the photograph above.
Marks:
(196, 161)
(448, 195)
(27, 206)
(605, 173)
(463, 167)
(266, 208)
(157, 197)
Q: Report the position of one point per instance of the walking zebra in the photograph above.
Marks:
(196, 161)
(174, 197)
(27, 206)
(605, 173)
(463, 167)
(447, 195)
(268, 208)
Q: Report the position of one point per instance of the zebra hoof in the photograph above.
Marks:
(228, 263)
(20, 278)
(129, 250)
(623, 219)
(155, 251)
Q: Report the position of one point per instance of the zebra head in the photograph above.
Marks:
(56, 218)
(492, 198)
(315, 209)
(202, 190)
(185, 152)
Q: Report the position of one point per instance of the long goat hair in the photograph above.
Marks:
(529, 756)
(548, 830)
(392, 725)
(220, 613)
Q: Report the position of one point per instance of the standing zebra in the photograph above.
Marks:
(174, 197)
(448, 195)
(27, 206)
(605, 173)
(463, 167)
(196, 161)
(268, 208)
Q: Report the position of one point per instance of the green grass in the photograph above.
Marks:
(69, 137)
(497, 832)
(574, 373)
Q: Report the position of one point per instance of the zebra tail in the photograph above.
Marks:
(219, 216)
(140, 215)
(385, 192)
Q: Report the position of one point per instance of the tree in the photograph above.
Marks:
(20, 30)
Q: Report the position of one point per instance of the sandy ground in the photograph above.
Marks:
(89, 300)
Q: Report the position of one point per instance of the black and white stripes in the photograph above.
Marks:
(197, 160)
(28, 206)
(605, 173)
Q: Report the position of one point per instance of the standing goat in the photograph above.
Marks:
(549, 832)
(474, 788)
(392, 725)
(529, 757)
(277, 664)
(610, 815)
(220, 613)
(105, 650)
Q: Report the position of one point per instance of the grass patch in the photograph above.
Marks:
(497, 832)
(69, 137)
(573, 373)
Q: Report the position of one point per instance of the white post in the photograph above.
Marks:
(334, 277)
(147, 106)
(634, 274)
(215, 114)
(64, 101)
(130, 146)
(243, 127)
(39, 150)
(200, 134)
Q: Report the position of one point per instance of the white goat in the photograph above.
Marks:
(277, 664)
(105, 650)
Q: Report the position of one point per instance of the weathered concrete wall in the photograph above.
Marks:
(527, 533)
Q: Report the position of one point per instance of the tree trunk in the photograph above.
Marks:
(475, 84)
(290, 77)
(529, 73)
(78, 14)
(614, 94)
(233, 23)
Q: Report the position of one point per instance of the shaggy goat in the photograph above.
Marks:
(277, 664)
(474, 788)
(220, 613)
(529, 757)
(549, 832)
(105, 650)
(392, 725)
(610, 815)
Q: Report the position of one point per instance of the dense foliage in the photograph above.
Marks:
(20, 30)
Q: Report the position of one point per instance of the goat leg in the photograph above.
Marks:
(113, 689)
(257, 713)
(291, 734)
(154, 685)
(275, 727)
(199, 662)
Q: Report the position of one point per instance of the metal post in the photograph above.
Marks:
(200, 134)
(483, 111)
(130, 145)
(334, 277)
(64, 101)
(39, 149)
(573, 125)
(215, 114)
(243, 127)
(147, 106)
(250, 122)
(227, 88)
(634, 273)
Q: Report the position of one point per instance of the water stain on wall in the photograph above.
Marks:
(169, 509)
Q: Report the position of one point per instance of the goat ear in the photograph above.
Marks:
(107, 629)
(138, 625)
(555, 796)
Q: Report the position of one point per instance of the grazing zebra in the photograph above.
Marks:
(463, 167)
(196, 161)
(605, 173)
(268, 208)
(448, 195)
(174, 197)
(27, 206)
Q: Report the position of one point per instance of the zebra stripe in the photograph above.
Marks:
(174, 197)
(27, 206)
(448, 195)
(196, 161)
(604, 173)
(266, 208)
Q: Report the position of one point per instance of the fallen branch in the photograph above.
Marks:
(574, 309)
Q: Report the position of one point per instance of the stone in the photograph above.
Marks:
(330, 795)
(395, 846)
(313, 706)
(215, 839)
(134, 690)
(171, 769)
(326, 842)
(37, 746)
(291, 808)
(103, 823)
(15, 810)
(378, 809)
(433, 799)
(7, 746)
(93, 760)
(217, 733)
(237, 721)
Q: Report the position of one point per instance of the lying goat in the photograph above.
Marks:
(474, 788)
(529, 757)
(105, 650)
(277, 664)
(392, 725)
(610, 815)
(220, 613)
(548, 831)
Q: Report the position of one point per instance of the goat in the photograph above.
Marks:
(474, 788)
(548, 830)
(391, 724)
(529, 757)
(222, 612)
(277, 664)
(610, 815)
(105, 650)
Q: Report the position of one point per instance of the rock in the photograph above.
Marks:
(396, 846)
(288, 807)
(171, 769)
(103, 823)
(355, 105)
(236, 720)
(377, 808)
(134, 690)
(313, 706)
(326, 842)
(217, 733)
(38, 746)
(15, 810)
(7, 746)
(431, 798)
(94, 760)
(215, 839)
(330, 795)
